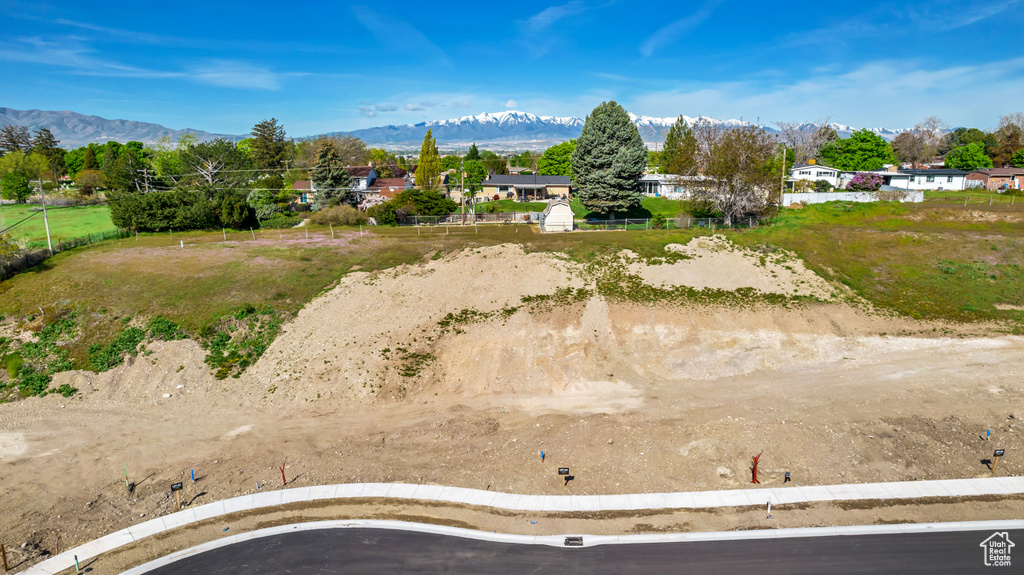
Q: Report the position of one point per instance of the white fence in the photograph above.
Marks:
(913, 196)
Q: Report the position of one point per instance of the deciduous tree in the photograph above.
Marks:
(609, 158)
(14, 187)
(557, 160)
(739, 169)
(89, 180)
(969, 157)
(862, 151)
(805, 139)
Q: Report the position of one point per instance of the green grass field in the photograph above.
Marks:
(65, 223)
(932, 261)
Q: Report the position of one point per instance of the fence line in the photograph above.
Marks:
(678, 223)
(31, 258)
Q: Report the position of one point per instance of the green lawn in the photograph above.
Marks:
(65, 223)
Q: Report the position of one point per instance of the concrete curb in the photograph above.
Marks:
(588, 540)
(546, 503)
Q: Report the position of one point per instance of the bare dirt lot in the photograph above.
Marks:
(443, 373)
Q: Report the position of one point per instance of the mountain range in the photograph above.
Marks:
(510, 130)
(74, 129)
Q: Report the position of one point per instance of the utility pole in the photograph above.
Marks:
(145, 175)
(782, 177)
(42, 194)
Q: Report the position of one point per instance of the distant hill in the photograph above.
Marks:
(74, 129)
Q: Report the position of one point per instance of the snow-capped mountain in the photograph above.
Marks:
(512, 129)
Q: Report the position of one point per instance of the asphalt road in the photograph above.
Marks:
(354, 551)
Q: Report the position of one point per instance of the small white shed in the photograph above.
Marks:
(557, 216)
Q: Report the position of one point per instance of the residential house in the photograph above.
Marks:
(891, 177)
(936, 179)
(388, 187)
(662, 185)
(517, 170)
(304, 191)
(526, 188)
(362, 178)
(814, 172)
(997, 178)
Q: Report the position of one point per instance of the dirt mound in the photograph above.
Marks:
(345, 342)
(715, 262)
(164, 371)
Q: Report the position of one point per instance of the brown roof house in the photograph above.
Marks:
(997, 178)
(388, 187)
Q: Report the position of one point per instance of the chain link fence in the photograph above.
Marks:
(22, 261)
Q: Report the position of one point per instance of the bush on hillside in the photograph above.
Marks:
(340, 215)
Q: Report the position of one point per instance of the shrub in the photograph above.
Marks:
(822, 186)
(865, 182)
(14, 186)
(177, 210)
(235, 212)
(340, 215)
(89, 180)
(32, 382)
(103, 358)
(165, 329)
(280, 220)
(658, 222)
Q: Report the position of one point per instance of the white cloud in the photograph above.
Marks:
(535, 34)
(671, 33)
(511, 104)
(890, 93)
(399, 35)
(414, 107)
(231, 74)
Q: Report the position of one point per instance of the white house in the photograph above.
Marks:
(557, 216)
(936, 179)
(813, 173)
(890, 177)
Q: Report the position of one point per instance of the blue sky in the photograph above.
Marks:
(326, 66)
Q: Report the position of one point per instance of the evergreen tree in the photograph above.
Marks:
(679, 155)
(609, 159)
(330, 179)
(429, 168)
(46, 145)
(89, 162)
(473, 153)
(14, 138)
(268, 145)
